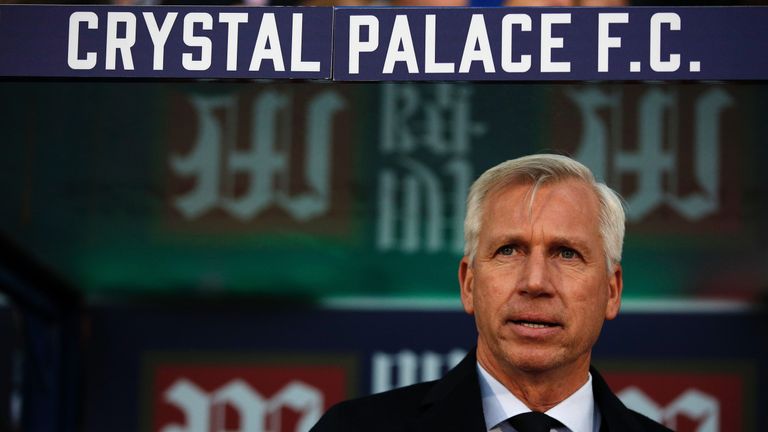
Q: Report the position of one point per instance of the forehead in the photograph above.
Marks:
(566, 207)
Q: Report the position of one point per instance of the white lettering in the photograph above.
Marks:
(123, 44)
(203, 411)
(420, 201)
(604, 40)
(657, 64)
(356, 46)
(477, 35)
(267, 35)
(524, 21)
(204, 43)
(406, 367)
(654, 160)
(548, 42)
(297, 64)
(233, 21)
(401, 34)
(74, 61)
(692, 403)
(159, 36)
(214, 158)
(430, 65)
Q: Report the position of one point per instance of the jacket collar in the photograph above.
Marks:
(615, 415)
(454, 404)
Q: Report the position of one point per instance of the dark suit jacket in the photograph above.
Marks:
(453, 404)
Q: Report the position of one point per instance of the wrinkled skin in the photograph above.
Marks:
(539, 288)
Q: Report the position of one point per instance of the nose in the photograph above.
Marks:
(535, 276)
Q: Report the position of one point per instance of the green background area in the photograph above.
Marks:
(88, 185)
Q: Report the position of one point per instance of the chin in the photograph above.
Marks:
(534, 362)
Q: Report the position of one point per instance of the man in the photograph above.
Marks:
(541, 272)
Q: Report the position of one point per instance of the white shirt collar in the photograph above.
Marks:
(578, 412)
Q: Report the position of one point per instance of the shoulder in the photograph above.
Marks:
(452, 403)
(389, 411)
(618, 416)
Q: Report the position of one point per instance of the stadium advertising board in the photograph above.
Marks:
(263, 393)
(663, 365)
(686, 399)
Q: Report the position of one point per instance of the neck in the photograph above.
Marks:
(539, 390)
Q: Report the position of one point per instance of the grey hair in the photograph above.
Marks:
(537, 170)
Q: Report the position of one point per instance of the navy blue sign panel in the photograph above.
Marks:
(550, 44)
(165, 42)
(455, 44)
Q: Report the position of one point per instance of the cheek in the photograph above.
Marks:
(588, 300)
(592, 317)
(574, 275)
(490, 296)
(492, 289)
(586, 286)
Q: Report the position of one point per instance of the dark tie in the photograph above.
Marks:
(533, 422)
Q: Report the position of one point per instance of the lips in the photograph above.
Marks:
(530, 325)
(535, 324)
(535, 320)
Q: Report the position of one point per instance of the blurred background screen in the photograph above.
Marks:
(319, 191)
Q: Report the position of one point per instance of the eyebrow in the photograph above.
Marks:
(506, 239)
(575, 243)
(572, 242)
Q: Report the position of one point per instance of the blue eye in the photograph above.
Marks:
(568, 253)
(506, 250)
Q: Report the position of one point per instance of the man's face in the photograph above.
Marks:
(539, 287)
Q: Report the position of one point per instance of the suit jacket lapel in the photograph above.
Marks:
(615, 416)
(454, 403)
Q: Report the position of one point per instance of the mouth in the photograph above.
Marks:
(535, 330)
(536, 324)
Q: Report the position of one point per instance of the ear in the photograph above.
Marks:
(466, 283)
(615, 286)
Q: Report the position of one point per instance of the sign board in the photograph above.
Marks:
(550, 44)
(165, 42)
(374, 44)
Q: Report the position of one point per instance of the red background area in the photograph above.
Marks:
(665, 387)
(331, 381)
